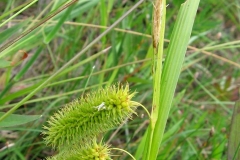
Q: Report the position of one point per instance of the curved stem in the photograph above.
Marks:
(149, 116)
(119, 149)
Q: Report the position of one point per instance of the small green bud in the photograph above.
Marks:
(90, 151)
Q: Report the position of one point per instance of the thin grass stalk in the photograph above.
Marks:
(57, 27)
(69, 62)
(171, 71)
(159, 16)
(24, 8)
(5, 14)
(17, 94)
(13, 41)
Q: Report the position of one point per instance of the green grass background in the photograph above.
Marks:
(199, 121)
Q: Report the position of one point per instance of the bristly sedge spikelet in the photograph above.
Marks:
(83, 119)
(92, 151)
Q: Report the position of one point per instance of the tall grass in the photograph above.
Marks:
(194, 127)
(164, 86)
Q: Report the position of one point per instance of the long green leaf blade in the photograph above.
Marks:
(54, 31)
(15, 119)
(172, 68)
(234, 138)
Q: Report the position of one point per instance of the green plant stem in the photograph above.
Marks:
(69, 62)
(234, 139)
(88, 80)
(68, 80)
(119, 149)
(172, 68)
(56, 28)
(157, 72)
(14, 9)
(11, 42)
(24, 8)
(145, 109)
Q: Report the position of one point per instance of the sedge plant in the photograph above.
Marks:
(102, 109)
(108, 107)
(72, 128)
(165, 80)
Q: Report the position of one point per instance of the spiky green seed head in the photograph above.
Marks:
(90, 151)
(85, 118)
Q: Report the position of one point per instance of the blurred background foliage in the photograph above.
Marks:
(198, 125)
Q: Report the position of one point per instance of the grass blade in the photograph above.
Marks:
(172, 68)
(159, 17)
(11, 42)
(69, 62)
(234, 138)
(24, 8)
(14, 119)
(52, 34)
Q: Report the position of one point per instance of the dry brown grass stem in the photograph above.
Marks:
(157, 20)
(149, 36)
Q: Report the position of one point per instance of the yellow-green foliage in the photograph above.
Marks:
(85, 118)
(91, 151)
